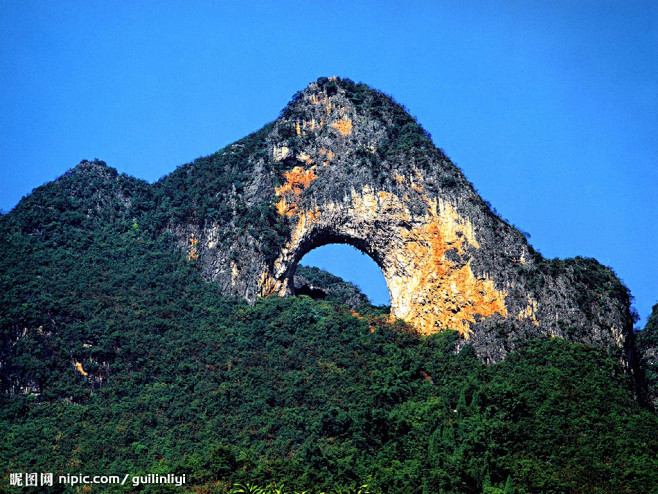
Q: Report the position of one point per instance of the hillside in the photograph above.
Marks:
(344, 163)
(127, 349)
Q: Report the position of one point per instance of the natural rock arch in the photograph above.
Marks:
(344, 163)
(424, 257)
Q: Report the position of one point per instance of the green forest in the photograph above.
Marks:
(117, 358)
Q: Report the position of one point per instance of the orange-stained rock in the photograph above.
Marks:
(297, 180)
(344, 126)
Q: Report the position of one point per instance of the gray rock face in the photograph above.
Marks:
(345, 164)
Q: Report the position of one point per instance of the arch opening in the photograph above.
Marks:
(349, 263)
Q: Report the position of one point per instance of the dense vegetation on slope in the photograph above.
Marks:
(647, 344)
(118, 358)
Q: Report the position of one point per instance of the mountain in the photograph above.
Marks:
(139, 333)
(346, 164)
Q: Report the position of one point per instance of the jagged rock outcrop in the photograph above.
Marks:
(346, 164)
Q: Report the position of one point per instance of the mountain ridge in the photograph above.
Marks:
(117, 355)
(345, 163)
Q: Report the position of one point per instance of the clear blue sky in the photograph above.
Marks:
(549, 107)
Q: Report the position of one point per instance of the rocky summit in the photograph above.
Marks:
(344, 163)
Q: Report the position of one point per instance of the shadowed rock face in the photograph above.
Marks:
(345, 164)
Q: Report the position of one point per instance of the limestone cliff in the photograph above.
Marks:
(346, 164)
